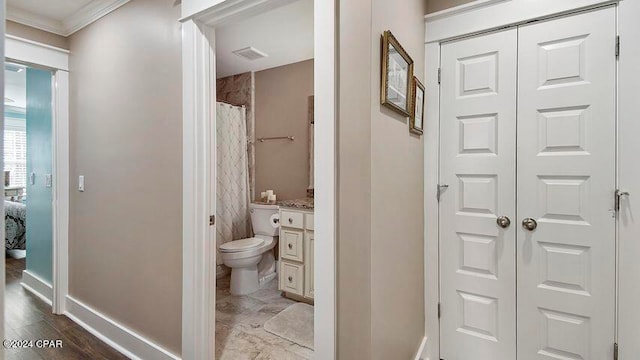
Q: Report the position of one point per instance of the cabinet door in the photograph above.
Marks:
(292, 244)
(566, 182)
(308, 265)
(477, 256)
(292, 277)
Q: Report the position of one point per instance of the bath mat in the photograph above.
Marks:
(294, 323)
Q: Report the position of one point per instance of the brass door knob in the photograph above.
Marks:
(529, 224)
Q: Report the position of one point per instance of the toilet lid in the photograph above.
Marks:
(241, 245)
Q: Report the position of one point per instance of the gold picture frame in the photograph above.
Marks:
(416, 121)
(397, 75)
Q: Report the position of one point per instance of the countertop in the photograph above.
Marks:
(304, 203)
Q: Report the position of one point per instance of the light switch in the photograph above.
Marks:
(32, 178)
(48, 180)
(81, 183)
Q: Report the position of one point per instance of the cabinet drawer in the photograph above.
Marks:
(291, 277)
(291, 244)
(309, 223)
(291, 219)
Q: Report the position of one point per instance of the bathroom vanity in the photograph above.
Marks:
(296, 249)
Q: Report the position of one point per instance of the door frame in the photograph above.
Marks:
(199, 250)
(482, 16)
(57, 60)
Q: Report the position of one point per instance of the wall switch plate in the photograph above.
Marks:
(81, 183)
(48, 180)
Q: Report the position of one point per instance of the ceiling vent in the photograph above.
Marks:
(250, 53)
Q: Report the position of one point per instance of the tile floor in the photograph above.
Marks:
(239, 325)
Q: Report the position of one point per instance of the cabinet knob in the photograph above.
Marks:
(290, 220)
(290, 246)
(290, 279)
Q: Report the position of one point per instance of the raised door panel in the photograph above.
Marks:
(292, 277)
(566, 182)
(477, 257)
(292, 244)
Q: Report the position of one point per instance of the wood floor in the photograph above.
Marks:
(29, 318)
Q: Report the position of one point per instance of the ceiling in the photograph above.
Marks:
(62, 17)
(285, 34)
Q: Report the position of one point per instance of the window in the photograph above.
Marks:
(15, 156)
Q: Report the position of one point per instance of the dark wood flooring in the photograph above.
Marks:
(29, 318)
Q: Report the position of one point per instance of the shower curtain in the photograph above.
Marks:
(232, 193)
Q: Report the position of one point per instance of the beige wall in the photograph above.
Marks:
(380, 181)
(126, 139)
(397, 206)
(354, 181)
(33, 34)
(282, 110)
(437, 5)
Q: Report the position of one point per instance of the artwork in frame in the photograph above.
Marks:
(397, 72)
(416, 122)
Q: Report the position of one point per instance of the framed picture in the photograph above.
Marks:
(416, 122)
(397, 72)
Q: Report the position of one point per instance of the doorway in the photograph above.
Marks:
(199, 270)
(527, 214)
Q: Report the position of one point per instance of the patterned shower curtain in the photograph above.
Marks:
(232, 193)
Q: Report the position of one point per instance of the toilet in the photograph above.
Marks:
(251, 260)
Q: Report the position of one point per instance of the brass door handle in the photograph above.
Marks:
(503, 222)
(529, 224)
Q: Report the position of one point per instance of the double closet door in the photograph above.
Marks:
(527, 225)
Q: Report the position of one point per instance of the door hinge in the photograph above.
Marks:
(617, 46)
(439, 310)
(439, 75)
(615, 351)
(617, 197)
(212, 220)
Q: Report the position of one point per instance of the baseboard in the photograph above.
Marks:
(37, 286)
(114, 334)
(422, 350)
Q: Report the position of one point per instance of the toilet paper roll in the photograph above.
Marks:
(275, 220)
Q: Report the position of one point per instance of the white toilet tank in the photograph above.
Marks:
(264, 219)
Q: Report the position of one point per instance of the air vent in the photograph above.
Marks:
(250, 53)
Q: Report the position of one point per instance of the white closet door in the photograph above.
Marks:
(566, 182)
(477, 257)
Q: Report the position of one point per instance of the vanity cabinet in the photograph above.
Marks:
(296, 246)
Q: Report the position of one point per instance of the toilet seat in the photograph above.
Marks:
(241, 245)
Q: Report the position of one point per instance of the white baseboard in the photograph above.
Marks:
(422, 350)
(37, 286)
(119, 337)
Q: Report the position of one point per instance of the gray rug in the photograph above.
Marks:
(294, 323)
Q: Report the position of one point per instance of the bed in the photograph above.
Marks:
(15, 230)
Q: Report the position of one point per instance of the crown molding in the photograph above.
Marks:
(80, 19)
(90, 13)
(36, 21)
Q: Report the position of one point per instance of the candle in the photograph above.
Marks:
(263, 196)
(272, 198)
(269, 192)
